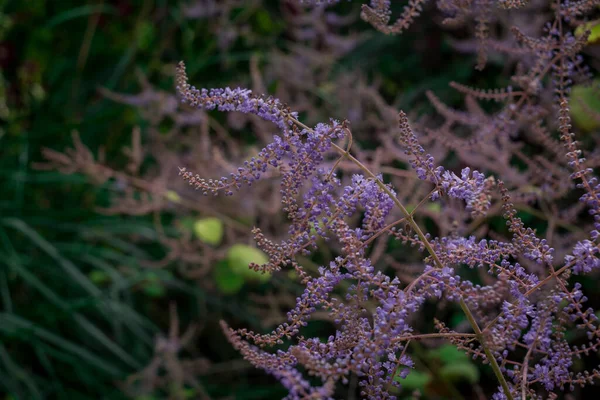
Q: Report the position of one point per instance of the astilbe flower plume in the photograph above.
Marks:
(472, 187)
(530, 303)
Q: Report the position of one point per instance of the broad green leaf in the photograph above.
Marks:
(434, 207)
(187, 223)
(172, 196)
(593, 27)
(209, 230)
(98, 276)
(264, 22)
(414, 380)
(154, 289)
(153, 284)
(146, 36)
(460, 371)
(239, 256)
(449, 354)
(190, 393)
(585, 100)
(228, 282)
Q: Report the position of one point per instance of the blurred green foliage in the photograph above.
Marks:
(78, 311)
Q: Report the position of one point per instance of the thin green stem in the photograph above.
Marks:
(488, 354)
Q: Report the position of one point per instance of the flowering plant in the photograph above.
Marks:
(519, 315)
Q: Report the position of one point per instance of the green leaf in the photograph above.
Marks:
(593, 27)
(98, 276)
(146, 36)
(264, 22)
(173, 196)
(585, 99)
(239, 256)
(434, 207)
(460, 371)
(448, 354)
(209, 230)
(154, 289)
(414, 380)
(228, 282)
(153, 284)
(186, 223)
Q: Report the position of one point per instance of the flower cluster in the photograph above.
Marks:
(306, 146)
(474, 190)
(585, 257)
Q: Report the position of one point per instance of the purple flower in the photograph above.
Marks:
(472, 188)
(585, 257)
